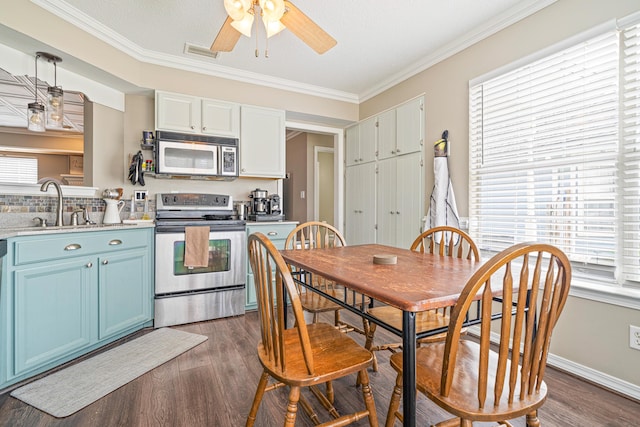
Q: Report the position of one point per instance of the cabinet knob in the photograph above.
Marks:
(72, 247)
(204, 128)
(243, 170)
(272, 233)
(115, 242)
(391, 212)
(105, 262)
(397, 150)
(397, 213)
(192, 127)
(89, 265)
(393, 151)
(360, 159)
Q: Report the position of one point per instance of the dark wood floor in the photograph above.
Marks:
(213, 385)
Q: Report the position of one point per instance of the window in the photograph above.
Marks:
(555, 156)
(22, 170)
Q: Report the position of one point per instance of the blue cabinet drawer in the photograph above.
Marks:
(277, 233)
(32, 249)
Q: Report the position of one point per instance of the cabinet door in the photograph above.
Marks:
(262, 142)
(410, 125)
(220, 118)
(386, 202)
(124, 291)
(277, 233)
(368, 141)
(177, 112)
(409, 199)
(54, 307)
(360, 204)
(352, 144)
(387, 135)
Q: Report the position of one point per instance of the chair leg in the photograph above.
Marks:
(262, 385)
(336, 318)
(292, 407)
(532, 419)
(394, 404)
(330, 393)
(368, 344)
(367, 395)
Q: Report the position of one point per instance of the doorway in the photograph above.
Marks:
(300, 188)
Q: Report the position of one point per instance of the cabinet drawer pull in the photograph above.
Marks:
(105, 262)
(115, 242)
(272, 233)
(72, 247)
(89, 264)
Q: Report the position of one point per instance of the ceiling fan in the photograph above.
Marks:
(276, 16)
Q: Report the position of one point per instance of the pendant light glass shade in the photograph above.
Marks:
(55, 104)
(35, 117)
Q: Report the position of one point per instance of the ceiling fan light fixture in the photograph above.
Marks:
(244, 25)
(272, 10)
(237, 9)
(272, 27)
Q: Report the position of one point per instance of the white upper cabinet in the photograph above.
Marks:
(387, 134)
(410, 126)
(262, 142)
(175, 112)
(190, 114)
(220, 118)
(361, 143)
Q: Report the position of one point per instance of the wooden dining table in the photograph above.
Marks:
(416, 282)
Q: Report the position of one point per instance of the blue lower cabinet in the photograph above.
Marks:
(87, 289)
(277, 232)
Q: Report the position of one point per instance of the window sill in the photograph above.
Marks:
(624, 297)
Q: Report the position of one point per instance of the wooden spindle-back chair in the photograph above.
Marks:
(470, 379)
(303, 355)
(314, 235)
(443, 241)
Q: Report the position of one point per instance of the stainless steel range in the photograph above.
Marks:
(192, 294)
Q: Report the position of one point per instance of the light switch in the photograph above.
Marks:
(302, 194)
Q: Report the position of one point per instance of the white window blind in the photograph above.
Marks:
(544, 156)
(22, 170)
(631, 154)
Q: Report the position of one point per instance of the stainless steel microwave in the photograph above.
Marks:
(196, 155)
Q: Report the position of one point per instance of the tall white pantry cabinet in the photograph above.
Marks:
(385, 199)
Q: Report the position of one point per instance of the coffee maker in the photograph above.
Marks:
(265, 207)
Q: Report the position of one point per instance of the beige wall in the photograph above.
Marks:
(314, 139)
(592, 334)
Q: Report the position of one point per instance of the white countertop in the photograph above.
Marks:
(5, 233)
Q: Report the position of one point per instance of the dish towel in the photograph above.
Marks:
(442, 207)
(196, 246)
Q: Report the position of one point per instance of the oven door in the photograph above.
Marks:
(227, 265)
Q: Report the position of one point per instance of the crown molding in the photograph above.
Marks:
(86, 23)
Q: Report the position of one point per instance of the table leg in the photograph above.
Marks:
(409, 368)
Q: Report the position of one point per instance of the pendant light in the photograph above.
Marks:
(35, 114)
(55, 101)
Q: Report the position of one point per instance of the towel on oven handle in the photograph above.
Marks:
(196, 246)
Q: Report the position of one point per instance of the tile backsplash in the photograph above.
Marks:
(20, 210)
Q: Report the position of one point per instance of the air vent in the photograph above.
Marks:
(199, 50)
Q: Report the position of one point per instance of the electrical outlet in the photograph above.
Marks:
(140, 194)
(634, 337)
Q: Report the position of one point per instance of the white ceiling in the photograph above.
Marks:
(380, 42)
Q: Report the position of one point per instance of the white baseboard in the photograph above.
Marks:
(605, 380)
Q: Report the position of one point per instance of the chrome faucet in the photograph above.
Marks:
(45, 187)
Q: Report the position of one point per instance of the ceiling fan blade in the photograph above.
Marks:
(227, 37)
(306, 30)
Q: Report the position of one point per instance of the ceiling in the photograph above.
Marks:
(380, 42)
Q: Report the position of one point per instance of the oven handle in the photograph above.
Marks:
(180, 229)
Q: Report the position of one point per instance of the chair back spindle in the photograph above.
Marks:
(533, 278)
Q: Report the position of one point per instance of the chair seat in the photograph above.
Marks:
(425, 320)
(316, 303)
(463, 399)
(345, 356)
